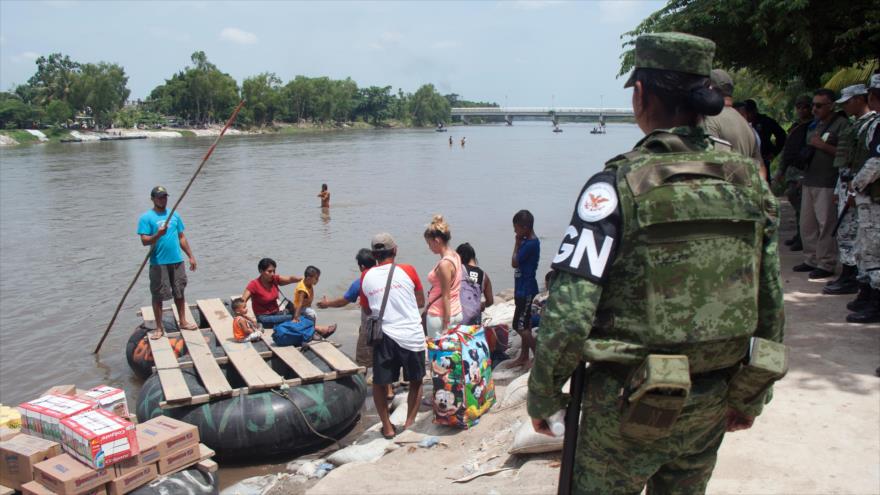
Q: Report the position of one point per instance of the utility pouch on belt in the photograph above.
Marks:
(654, 396)
(765, 363)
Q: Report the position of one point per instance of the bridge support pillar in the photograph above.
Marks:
(464, 120)
(508, 119)
(555, 120)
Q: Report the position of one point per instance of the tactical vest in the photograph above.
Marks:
(685, 278)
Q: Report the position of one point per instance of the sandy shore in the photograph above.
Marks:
(820, 434)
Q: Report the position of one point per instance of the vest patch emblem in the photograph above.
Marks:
(598, 201)
(590, 241)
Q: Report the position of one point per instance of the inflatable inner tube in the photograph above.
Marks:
(137, 349)
(265, 424)
(186, 482)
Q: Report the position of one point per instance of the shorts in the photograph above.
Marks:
(522, 313)
(389, 358)
(167, 281)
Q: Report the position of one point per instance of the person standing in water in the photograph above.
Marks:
(325, 196)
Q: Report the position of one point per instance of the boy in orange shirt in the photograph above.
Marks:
(244, 328)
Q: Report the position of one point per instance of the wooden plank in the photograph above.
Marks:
(255, 372)
(334, 357)
(209, 371)
(173, 385)
(147, 312)
(207, 466)
(291, 356)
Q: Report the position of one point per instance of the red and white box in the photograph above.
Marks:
(108, 398)
(42, 417)
(98, 438)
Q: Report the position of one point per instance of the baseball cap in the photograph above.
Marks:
(382, 242)
(678, 52)
(158, 191)
(850, 91)
(875, 82)
(722, 80)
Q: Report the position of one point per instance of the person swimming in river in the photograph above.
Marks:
(450, 141)
(325, 196)
(463, 140)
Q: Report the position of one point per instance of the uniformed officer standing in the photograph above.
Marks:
(665, 278)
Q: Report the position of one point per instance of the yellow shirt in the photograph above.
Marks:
(303, 295)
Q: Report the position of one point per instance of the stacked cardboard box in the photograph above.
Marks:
(98, 438)
(65, 475)
(176, 443)
(108, 398)
(42, 417)
(18, 456)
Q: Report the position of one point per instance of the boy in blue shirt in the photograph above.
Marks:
(167, 274)
(526, 253)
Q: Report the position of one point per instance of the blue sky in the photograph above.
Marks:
(519, 53)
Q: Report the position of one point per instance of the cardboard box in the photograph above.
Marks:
(108, 398)
(6, 433)
(148, 453)
(65, 475)
(169, 435)
(42, 417)
(20, 454)
(132, 480)
(62, 390)
(34, 488)
(181, 458)
(98, 438)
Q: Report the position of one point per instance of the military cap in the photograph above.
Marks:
(678, 52)
(875, 82)
(722, 80)
(850, 91)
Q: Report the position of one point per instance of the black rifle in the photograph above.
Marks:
(843, 212)
(572, 420)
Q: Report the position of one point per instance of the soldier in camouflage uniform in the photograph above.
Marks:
(851, 149)
(672, 253)
(866, 185)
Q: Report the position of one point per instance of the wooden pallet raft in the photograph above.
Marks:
(250, 363)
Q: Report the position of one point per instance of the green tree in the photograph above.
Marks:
(428, 107)
(263, 95)
(100, 89)
(53, 80)
(15, 113)
(201, 94)
(58, 112)
(375, 103)
(777, 39)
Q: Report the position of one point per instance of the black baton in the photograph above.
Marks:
(572, 418)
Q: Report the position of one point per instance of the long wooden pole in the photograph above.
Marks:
(170, 215)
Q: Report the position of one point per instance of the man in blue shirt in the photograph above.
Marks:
(526, 253)
(167, 273)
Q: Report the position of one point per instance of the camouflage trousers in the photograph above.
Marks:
(868, 241)
(609, 463)
(846, 233)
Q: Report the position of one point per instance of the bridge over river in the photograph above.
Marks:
(551, 113)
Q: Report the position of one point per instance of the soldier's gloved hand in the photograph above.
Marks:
(737, 421)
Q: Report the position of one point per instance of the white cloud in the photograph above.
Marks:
(25, 57)
(386, 40)
(532, 4)
(445, 45)
(237, 35)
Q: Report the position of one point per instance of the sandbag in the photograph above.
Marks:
(462, 376)
(515, 394)
(499, 313)
(367, 452)
(528, 441)
(506, 371)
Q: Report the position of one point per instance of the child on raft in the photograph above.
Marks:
(303, 296)
(244, 328)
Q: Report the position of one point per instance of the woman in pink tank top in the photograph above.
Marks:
(444, 305)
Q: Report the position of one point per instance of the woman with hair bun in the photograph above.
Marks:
(667, 283)
(444, 305)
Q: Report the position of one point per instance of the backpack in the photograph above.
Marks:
(294, 333)
(470, 295)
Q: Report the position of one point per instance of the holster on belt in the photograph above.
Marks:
(653, 397)
(765, 363)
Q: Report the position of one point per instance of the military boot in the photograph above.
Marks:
(871, 314)
(861, 300)
(846, 283)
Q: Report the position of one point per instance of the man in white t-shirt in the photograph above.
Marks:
(403, 344)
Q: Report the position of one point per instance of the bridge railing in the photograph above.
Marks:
(540, 111)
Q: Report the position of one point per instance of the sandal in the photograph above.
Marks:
(189, 326)
(330, 330)
(156, 334)
(391, 436)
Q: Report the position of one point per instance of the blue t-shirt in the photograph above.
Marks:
(351, 295)
(167, 251)
(524, 282)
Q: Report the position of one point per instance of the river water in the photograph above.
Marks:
(68, 217)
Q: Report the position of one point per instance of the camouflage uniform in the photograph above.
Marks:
(867, 185)
(672, 249)
(851, 149)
